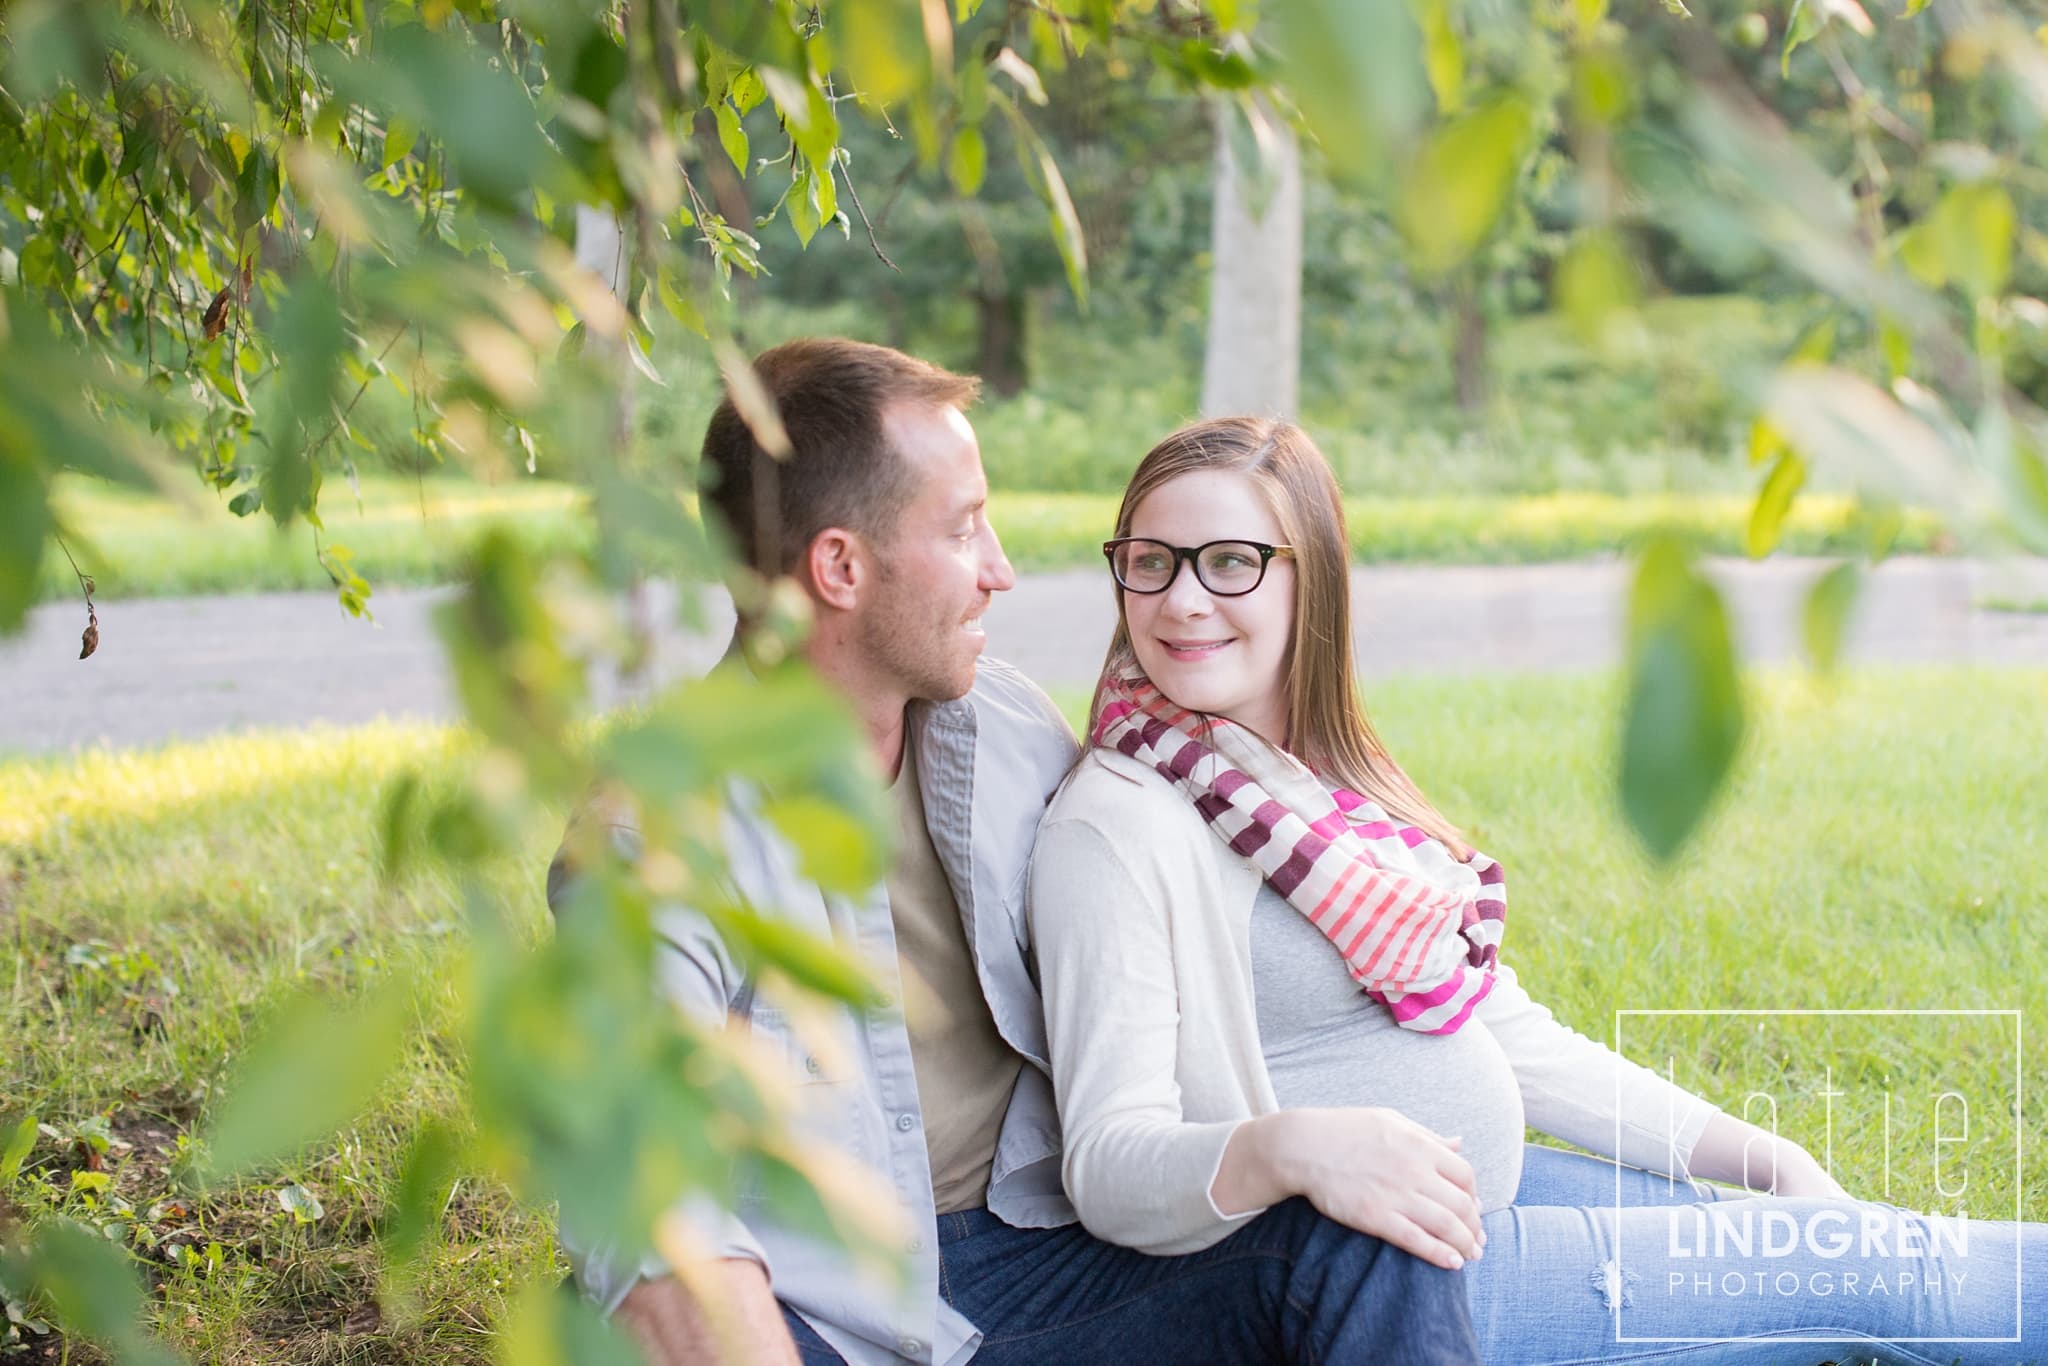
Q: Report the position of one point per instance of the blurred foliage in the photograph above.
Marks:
(224, 222)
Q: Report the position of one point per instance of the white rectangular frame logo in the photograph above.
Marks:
(2018, 1143)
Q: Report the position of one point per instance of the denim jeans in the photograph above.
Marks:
(1290, 1286)
(1574, 1272)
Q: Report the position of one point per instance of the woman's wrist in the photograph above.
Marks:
(1260, 1166)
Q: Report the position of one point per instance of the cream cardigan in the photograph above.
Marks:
(1154, 1037)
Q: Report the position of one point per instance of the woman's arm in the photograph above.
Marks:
(1139, 1171)
(1136, 1168)
(1587, 1094)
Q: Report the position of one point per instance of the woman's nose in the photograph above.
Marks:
(1185, 596)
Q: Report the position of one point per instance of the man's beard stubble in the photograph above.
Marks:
(908, 638)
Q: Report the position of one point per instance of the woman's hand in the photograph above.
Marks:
(1371, 1169)
(1800, 1175)
(1734, 1150)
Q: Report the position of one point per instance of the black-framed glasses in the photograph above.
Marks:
(1228, 569)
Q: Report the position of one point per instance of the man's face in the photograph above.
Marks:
(938, 570)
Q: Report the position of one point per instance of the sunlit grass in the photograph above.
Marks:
(1880, 847)
(136, 546)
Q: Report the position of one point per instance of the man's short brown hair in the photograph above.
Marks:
(841, 470)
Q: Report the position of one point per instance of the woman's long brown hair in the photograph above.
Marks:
(1327, 725)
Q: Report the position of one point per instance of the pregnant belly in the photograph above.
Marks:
(1455, 1085)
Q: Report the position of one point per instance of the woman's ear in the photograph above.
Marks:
(838, 568)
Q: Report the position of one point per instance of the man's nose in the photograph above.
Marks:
(997, 576)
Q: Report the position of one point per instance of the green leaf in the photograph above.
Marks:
(1765, 441)
(834, 848)
(1357, 72)
(550, 1326)
(1684, 720)
(1816, 344)
(1455, 189)
(400, 134)
(91, 1285)
(1897, 345)
(1974, 225)
(15, 1147)
(256, 188)
(313, 1069)
(812, 124)
(967, 160)
(1773, 501)
(1802, 28)
(2028, 478)
(1596, 285)
(679, 305)
(1066, 225)
(301, 1204)
(398, 828)
(424, 1183)
(1443, 55)
(25, 526)
(1826, 614)
(883, 44)
(806, 959)
(732, 136)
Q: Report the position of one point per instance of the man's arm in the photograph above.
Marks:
(698, 973)
(672, 1329)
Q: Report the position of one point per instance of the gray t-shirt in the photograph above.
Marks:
(1326, 1043)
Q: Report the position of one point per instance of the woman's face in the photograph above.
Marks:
(1223, 655)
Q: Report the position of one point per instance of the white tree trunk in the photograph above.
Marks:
(601, 249)
(1253, 363)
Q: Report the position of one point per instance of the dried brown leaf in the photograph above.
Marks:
(215, 320)
(89, 641)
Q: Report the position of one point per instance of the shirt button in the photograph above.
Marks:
(908, 1347)
(811, 1065)
(906, 1122)
(914, 1245)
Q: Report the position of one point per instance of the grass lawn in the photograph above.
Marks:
(1881, 849)
(402, 532)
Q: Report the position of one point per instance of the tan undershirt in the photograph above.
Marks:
(965, 1072)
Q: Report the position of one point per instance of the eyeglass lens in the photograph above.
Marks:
(1224, 567)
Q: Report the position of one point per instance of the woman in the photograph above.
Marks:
(1237, 855)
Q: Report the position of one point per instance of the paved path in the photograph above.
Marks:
(194, 666)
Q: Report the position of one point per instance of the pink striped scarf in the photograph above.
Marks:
(1419, 930)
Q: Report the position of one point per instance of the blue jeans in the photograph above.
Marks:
(1290, 1286)
(1574, 1272)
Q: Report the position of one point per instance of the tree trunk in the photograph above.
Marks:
(1469, 348)
(1003, 366)
(1253, 361)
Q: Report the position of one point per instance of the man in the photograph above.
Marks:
(879, 515)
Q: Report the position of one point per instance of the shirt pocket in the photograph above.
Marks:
(808, 1061)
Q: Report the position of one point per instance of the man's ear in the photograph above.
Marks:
(838, 567)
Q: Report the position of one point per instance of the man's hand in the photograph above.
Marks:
(672, 1329)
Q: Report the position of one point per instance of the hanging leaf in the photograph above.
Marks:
(1684, 721)
(1773, 502)
(314, 1068)
(732, 136)
(214, 320)
(1825, 617)
(967, 160)
(1454, 191)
